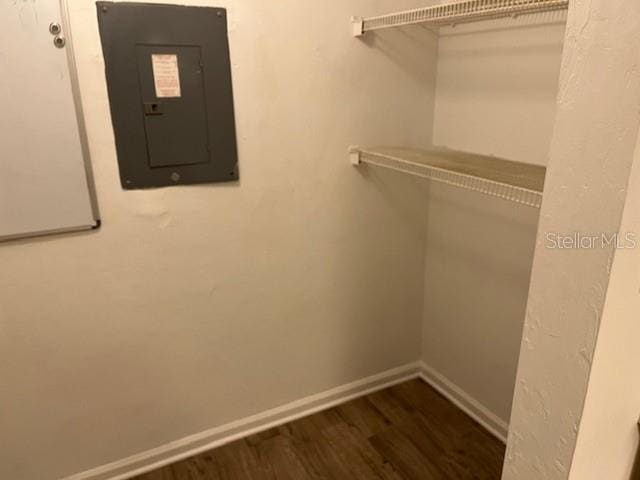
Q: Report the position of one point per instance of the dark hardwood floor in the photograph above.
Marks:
(406, 432)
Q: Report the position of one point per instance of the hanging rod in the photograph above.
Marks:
(517, 182)
(459, 12)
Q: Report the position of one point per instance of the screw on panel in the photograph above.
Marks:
(175, 176)
(54, 28)
(59, 42)
(104, 9)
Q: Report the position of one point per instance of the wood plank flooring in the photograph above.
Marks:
(406, 432)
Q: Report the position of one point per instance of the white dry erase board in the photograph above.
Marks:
(46, 184)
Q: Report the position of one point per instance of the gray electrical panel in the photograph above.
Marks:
(169, 79)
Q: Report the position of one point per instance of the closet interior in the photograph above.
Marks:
(271, 230)
(497, 68)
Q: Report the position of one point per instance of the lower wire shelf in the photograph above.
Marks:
(517, 182)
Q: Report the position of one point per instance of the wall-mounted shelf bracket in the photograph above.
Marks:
(358, 26)
(354, 155)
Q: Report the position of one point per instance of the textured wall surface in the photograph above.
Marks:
(608, 438)
(496, 94)
(590, 162)
(196, 306)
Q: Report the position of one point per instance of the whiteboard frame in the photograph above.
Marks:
(82, 132)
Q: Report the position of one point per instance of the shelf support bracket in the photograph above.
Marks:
(358, 26)
(354, 155)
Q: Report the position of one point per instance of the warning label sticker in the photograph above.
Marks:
(166, 76)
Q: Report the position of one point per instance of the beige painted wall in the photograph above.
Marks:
(497, 86)
(590, 162)
(196, 306)
(608, 438)
(496, 93)
(477, 270)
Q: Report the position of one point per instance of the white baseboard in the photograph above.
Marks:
(472, 407)
(201, 442)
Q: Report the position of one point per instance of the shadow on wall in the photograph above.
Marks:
(409, 48)
(635, 474)
(407, 196)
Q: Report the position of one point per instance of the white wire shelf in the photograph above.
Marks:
(517, 182)
(458, 12)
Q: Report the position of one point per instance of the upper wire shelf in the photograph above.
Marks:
(517, 182)
(459, 12)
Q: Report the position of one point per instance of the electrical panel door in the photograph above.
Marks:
(169, 79)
